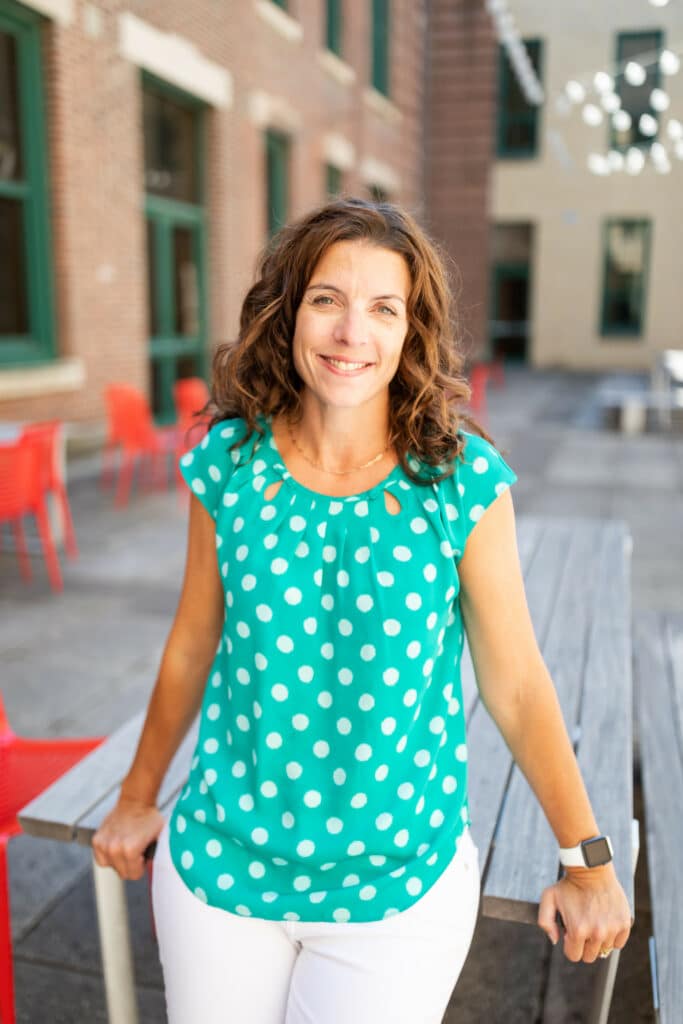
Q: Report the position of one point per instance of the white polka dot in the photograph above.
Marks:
(312, 798)
(359, 800)
(381, 772)
(300, 722)
(293, 769)
(437, 724)
(436, 818)
(243, 723)
(213, 712)
(367, 652)
(343, 578)
(461, 752)
(341, 914)
(334, 825)
(414, 886)
(180, 823)
(259, 836)
(476, 512)
(288, 820)
(268, 788)
(392, 627)
(285, 644)
(366, 702)
(225, 881)
(449, 784)
(257, 869)
(413, 649)
(501, 488)
(402, 836)
(409, 697)
(231, 499)
(297, 523)
(390, 676)
(374, 534)
(362, 554)
(211, 776)
(268, 512)
(329, 553)
(243, 676)
(274, 740)
(246, 802)
(385, 579)
(310, 625)
(305, 673)
(239, 769)
(418, 524)
(198, 486)
(187, 459)
(361, 508)
(301, 883)
(302, 549)
(480, 464)
(339, 776)
(279, 565)
(248, 581)
(345, 676)
(280, 692)
(388, 726)
(321, 529)
(345, 627)
(242, 552)
(344, 726)
(211, 746)
(187, 860)
(363, 752)
(429, 572)
(321, 748)
(327, 651)
(305, 848)
(200, 815)
(260, 661)
(214, 848)
(335, 507)
(413, 601)
(364, 603)
(241, 909)
(383, 821)
(327, 601)
(402, 553)
(451, 512)
(421, 758)
(293, 595)
(318, 577)
(325, 699)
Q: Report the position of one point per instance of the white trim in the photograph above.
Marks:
(174, 59)
(61, 11)
(288, 27)
(268, 111)
(336, 67)
(339, 151)
(34, 381)
(374, 172)
(378, 102)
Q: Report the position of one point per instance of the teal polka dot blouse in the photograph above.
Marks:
(329, 782)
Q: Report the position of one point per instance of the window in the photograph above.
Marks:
(333, 26)
(380, 46)
(281, 3)
(644, 48)
(26, 317)
(378, 194)
(333, 181)
(517, 119)
(277, 180)
(627, 244)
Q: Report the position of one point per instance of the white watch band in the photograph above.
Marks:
(573, 856)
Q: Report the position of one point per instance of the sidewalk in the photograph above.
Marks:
(84, 661)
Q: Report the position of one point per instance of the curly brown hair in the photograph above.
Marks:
(255, 375)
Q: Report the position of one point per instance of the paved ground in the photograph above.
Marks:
(82, 662)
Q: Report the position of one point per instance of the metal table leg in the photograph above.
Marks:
(117, 959)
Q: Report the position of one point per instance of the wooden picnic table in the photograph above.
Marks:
(577, 575)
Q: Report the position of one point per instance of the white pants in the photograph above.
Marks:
(222, 968)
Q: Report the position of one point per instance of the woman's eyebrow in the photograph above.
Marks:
(332, 288)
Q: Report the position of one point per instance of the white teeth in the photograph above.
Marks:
(342, 365)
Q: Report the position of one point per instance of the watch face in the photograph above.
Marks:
(596, 852)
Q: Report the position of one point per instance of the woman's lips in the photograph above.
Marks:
(340, 370)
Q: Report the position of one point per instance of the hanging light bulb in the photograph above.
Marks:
(635, 73)
(659, 100)
(575, 91)
(621, 120)
(658, 152)
(591, 114)
(598, 164)
(669, 62)
(647, 125)
(659, 3)
(674, 128)
(603, 82)
(635, 160)
(610, 102)
(615, 160)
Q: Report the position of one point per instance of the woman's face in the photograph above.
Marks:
(351, 324)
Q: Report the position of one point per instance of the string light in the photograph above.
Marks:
(669, 62)
(591, 114)
(659, 100)
(635, 73)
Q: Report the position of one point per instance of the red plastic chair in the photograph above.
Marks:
(49, 439)
(132, 430)
(190, 396)
(27, 767)
(22, 492)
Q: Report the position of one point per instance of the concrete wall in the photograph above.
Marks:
(568, 204)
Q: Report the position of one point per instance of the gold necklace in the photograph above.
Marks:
(336, 472)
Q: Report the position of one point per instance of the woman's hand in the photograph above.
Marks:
(594, 909)
(125, 834)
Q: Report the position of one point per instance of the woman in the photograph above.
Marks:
(344, 528)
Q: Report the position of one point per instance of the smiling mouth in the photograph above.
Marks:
(344, 365)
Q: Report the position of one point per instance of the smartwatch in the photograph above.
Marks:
(590, 853)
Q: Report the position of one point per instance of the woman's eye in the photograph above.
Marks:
(322, 300)
(387, 309)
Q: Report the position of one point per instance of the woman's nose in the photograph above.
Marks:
(351, 327)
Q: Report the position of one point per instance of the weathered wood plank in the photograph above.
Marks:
(56, 811)
(658, 661)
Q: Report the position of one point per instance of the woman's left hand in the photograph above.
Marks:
(594, 909)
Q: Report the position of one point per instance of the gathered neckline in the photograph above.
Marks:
(388, 481)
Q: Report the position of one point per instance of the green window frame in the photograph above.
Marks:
(280, 3)
(28, 195)
(277, 180)
(517, 133)
(623, 289)
(334, 26)
(635, 100)
(379, 73)
(333, 181)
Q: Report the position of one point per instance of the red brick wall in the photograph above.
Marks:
(96, 165)
(459, 123)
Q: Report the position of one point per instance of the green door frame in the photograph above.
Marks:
(162, 216)
(521, 271)
(32, 191)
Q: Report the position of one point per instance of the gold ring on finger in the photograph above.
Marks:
(604, 953)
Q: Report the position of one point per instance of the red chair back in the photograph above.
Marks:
(21, 483)
(48, 440)
(130, 419)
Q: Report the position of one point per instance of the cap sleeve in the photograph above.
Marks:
(481, 475)
(208, 466)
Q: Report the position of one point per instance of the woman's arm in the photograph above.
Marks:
(519, 694)
(190, 648)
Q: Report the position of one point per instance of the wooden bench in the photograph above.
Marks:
(658, 659)
(577, 575)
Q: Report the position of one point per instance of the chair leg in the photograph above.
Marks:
(125, 479)
(22, 550)
(67, 522)
(6, 974)
(49, 551)
(107, 475)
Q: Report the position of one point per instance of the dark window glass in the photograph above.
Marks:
(333, 181)
(185, 282)
(277, 180)
(517, 118)
(380, 46)
(281, 3)
(13, 304)
(626, 256)
(170, 148)
(153, 325)
(378, 194)
(187, 366)
(10, 141)
(159, 396)
(333, 26)
(635, 99)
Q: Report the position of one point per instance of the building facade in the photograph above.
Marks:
(148, 149)
(587, 191)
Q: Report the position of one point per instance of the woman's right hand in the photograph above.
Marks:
(125, 834)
